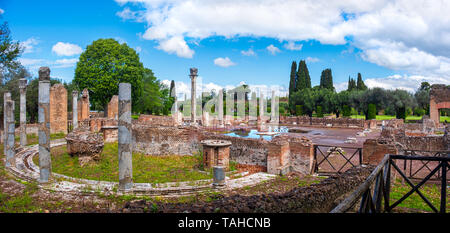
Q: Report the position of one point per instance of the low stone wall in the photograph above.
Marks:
(322, 121)
(317, 198)
(156, 120)
(285, 153)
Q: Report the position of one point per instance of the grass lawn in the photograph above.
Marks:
(146, 168)
(414, 203)
(388, 117)
(33, 139)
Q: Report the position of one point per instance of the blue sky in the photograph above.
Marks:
(233, 41)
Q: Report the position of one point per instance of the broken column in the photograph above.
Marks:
(124, 138)
(83, 105)
(113, 108)
(273, 108)
(10, 128)
(75, 109)
(220, 108)
(45, 166)
(23, 111)
(6, 97)
(193, 75)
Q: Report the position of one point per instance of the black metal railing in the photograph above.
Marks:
(341, 152)
(374, 193)
(415, 169)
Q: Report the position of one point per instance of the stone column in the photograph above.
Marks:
(75, 109)
(273, 108)
(218, 176)
(6, 97)
(45, 163)
(124, 138)
(193, 76)
(23, 111)
(10, 128)
(261, 108)
(220, 110)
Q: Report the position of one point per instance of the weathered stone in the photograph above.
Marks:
(439, 98)
(58, 109)
(83, 106)
(23, 112)
(193, 75)
(45, 162)
(125, 136)
(113, 108)
(75, 109)
(216, 153)
(84, 144)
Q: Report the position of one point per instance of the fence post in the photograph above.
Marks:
(388, 186)
(444, 186)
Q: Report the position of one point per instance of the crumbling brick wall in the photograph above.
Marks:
(322, 121)
(317, 198)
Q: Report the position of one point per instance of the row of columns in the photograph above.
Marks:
(193, 75)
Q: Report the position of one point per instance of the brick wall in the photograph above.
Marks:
(58, 109)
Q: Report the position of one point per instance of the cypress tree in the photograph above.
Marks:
(351, 84)
(172, 85)
(326, 79)
(293, 78)
(360, 83)
(303, 78)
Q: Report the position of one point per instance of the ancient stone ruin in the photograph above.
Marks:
(83, 106)
(84, 144)
(439, 98)
(58, 109)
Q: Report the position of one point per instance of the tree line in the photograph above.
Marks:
(357, 99)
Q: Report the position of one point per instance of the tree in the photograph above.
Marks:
(351, 84)
(326, 79)
(422, 96)
(360, 83)
(319, 112)
(298, 110)
(371, 112)
(150, 101)
(292, 83)
(9, 51)
(103, 65)
(303, 78)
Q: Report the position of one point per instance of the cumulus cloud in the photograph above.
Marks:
(223, 62)
(29, 44)
(272, 49)
(64, 63)
(312, 59)
(248, 52)
(406, 35)
(1, 11)
(292, 46)
(66, 49)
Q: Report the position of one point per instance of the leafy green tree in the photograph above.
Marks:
(103, 65)
(303, 78)
(150, 101)
(9, 51)
(422, 96)
(360, 83)
(319, 112)
(299, 110)
(346, 111)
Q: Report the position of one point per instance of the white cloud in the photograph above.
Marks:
(292, 46)
(66, 49)
(138, 49)
(64, 63)
(175, 45)
(272, 49)
(312, 59)
(29, 44)
(2, 11)
(407, 35)
(223, 62)
(127, 14)
(30, 61)
(249, 52)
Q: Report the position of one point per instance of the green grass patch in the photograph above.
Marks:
(146, 168)
(414, 203)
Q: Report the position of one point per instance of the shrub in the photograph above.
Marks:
(371, 112)
(346, 111)
(299, 110)
(419, 111)
(319, 112)
(401, 113)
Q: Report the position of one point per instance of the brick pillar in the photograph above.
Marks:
(23, 111)
(193, 76)
(10, 128)
(75, 109)
(124, 138)
(45, 164)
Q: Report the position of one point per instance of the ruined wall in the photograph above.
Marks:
(156, 120)
(322, 121)
(113, 108)
(83, 106)
(439, 98)
(316, 198)
(58, 109)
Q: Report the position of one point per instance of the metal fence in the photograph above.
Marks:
(374, 193)
(337, 158)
